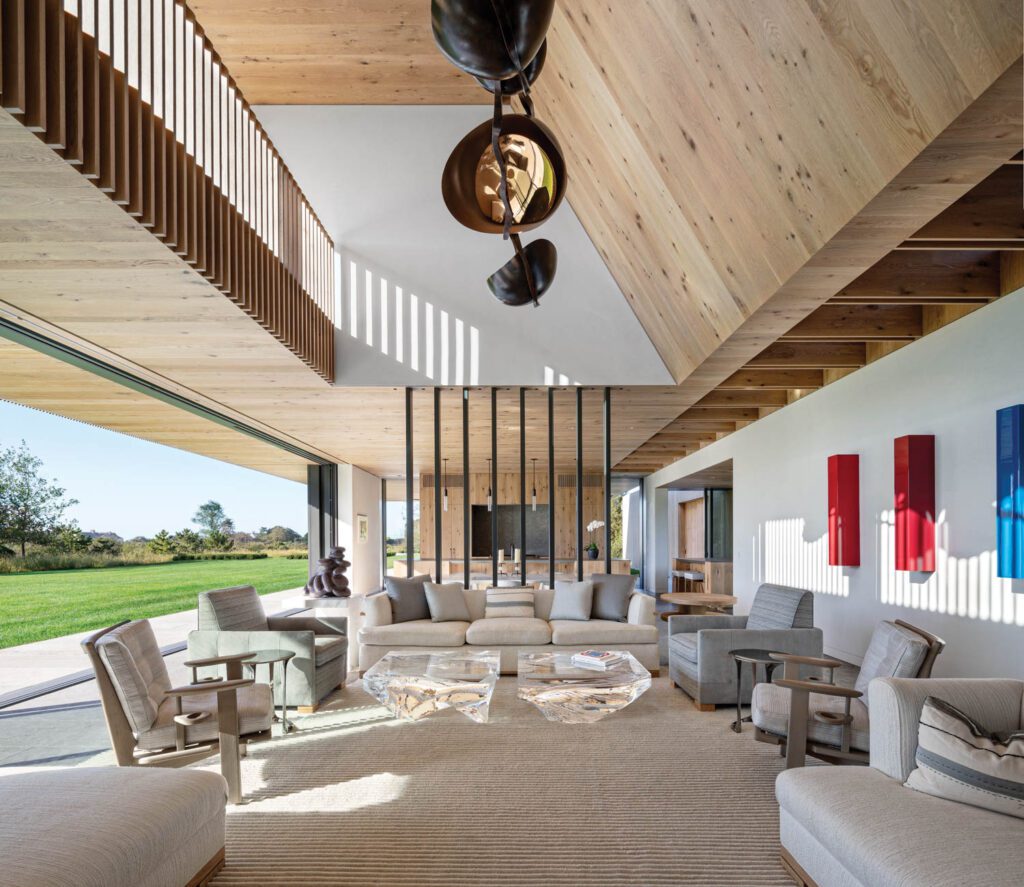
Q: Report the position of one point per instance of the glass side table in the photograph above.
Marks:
(270, 658)
(755, 658)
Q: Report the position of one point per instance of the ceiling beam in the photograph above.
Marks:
(780, 379)
(990, 212)
(859, 323)
(925, 278)
(809, 355)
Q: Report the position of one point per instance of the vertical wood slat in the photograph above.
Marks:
(34, 118)
(74, 105)
(55, 84)
(12, 65)
(204, 178)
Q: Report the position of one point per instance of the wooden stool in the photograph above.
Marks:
(690, 577)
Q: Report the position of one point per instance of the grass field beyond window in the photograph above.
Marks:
(37, 606)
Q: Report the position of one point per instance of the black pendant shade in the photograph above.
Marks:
(490, 39)
(514, 84)
(510, 283)
(463, 174)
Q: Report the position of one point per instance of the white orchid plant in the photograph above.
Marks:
(592, 527)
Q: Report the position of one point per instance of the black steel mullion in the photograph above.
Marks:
(383, 529)
(551, 485)
(408, 483)
(579, 484)
(643, 532)
(465, 488)
(522, 485)
(494, 484)
(607, 480)
(437, 484)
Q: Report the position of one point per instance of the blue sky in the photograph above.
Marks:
(136, 488)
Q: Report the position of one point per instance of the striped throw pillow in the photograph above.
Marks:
(959, 760)
(508, 602)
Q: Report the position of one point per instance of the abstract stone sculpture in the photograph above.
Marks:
(330, 579)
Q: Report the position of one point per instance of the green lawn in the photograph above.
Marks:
(37, 606)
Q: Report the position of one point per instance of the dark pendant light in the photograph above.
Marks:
(492, 39)
(444, 500)
(490, 496)
(533, 498)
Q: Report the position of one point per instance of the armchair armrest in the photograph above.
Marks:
(690, 624)
(822, 688)
(641, 609)
(319, 625)
(714, 664)
(209, 687)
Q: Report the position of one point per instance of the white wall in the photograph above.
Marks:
(948, 384)
(359, 493)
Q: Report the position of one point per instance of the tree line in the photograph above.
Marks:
(33, 512)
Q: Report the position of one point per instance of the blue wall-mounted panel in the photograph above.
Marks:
(1010, 491)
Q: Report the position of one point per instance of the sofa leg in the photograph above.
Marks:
(656, 673)
(794, 870)
(307, 709)
(704, 706)
(206, 873)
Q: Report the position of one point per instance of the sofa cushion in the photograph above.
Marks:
(509, 603)
(600, 632)
(887, 836)
(769, 709)
(329, 648)
(573, 600)
(778, 606)
(408, 598)
(510, 630)
(611, 595)
(684, 645)
(447, 602)
(958, 759)
(231, 609)
(894, 652)
(418, 633)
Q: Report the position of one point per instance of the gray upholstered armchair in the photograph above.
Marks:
(781, 619)
(232, 620)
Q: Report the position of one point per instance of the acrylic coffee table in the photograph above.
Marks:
(413, 685)
(571, 694)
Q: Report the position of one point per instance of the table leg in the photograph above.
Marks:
(285, 725)
(737, 726)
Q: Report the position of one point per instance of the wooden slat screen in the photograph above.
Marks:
(132, 94)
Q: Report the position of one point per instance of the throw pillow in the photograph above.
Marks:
(611, 596)
(447, 603)
(959, 760)
(573, 600)
(507, 602)
(408, 598)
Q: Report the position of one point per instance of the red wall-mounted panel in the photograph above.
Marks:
(844, 510)
(914, 483)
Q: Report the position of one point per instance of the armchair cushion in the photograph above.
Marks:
(137, 670)
(684, 645)
(769, 710)
(776, 606)
(255, 714)
(327, 648)
(894, 652)
(408, 598)
(611, 595)
(232, 609)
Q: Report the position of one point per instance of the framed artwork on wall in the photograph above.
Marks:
(362, 528)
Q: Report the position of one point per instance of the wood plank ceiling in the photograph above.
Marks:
(743, 168)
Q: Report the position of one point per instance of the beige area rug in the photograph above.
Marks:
(656, 794)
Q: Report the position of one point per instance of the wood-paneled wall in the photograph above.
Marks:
(132, 95)
(507, 493)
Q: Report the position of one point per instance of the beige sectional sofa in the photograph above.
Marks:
(379, 634)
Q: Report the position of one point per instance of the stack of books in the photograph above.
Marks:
(599, 659)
